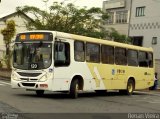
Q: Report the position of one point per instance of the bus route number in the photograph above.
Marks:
(33, 66)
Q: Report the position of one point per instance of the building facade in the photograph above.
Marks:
(142, 24)
(20, 20)
(145, 26)
(119, 15)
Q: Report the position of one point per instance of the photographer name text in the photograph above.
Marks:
(143, 116)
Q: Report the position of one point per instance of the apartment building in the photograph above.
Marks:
(145, 26)
(139, 19)
(119, 15)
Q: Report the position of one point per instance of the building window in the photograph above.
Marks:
(140, 11)
(110, 20)
(121, 17)
(154, 40)
(137, 40)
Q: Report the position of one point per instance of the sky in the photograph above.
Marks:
(9, 6)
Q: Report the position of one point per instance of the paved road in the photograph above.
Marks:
(18, 101)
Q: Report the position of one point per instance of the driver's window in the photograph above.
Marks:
(61, 54)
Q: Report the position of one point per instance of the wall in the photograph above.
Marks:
(122, 28)
(147, 26)
(20, 27)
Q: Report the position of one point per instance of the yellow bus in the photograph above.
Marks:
(63, 62)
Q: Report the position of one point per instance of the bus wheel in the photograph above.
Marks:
(40, 93)
(130, 87)
(74, 89)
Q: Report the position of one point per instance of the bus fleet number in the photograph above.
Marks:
(34, 66)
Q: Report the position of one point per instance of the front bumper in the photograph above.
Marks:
(31, 85)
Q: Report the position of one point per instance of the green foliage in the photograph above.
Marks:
(7, 61)
(70, 19)
(115, 36)
(8, 33)
(1, 65)
(67, 18)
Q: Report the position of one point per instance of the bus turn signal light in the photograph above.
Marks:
(44, 85)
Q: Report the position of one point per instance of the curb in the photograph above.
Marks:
(5, 78)
(150, 92)
(147, 90)
(154, 93)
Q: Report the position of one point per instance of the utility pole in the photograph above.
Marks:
(43, 17)
(63, 1)
(45, 1)
(130, 13)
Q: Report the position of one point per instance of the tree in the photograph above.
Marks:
(115, 36)
(67, 18)
(8, 33)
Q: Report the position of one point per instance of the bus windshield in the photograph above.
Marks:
(32, 56)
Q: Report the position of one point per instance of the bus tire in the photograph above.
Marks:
(74, 89)
(40, 93)
(130, 87)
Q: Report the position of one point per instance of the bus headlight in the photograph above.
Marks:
(14, 77)
(43, 78)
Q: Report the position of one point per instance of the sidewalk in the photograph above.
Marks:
(5, 78)
(5, 108)
(149, 92)
(5, 75)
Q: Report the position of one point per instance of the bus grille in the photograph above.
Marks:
(29, 74)
(28, 84)
(27, 79)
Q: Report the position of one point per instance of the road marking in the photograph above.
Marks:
(2, 82)
(153, 101)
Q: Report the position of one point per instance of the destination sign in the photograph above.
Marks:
(34, 37)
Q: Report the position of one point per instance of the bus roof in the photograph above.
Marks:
(93, 40)
(101, 41)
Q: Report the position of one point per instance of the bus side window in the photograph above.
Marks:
(107, 56)
(150, 59)
(132, 58)
(93, 52)
(143, 59)
(61, 54)
(79, 51)
(120, 56)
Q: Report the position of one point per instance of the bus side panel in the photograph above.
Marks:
(143, 76)
(119, 80)
(102, 75)
(64, 75)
